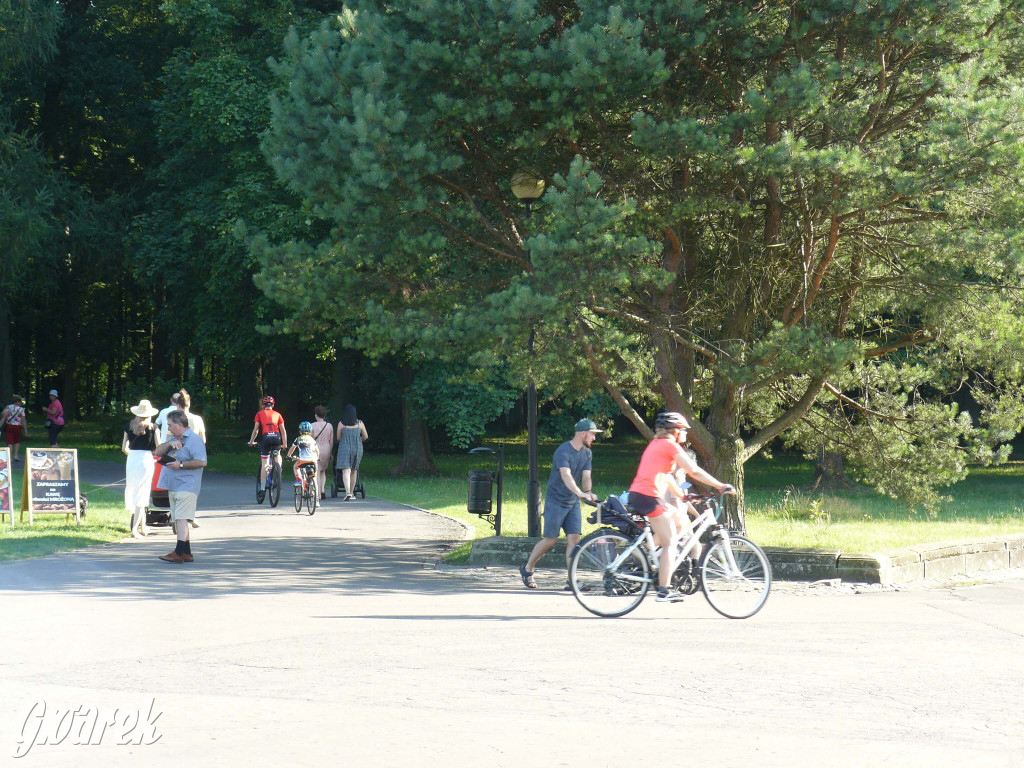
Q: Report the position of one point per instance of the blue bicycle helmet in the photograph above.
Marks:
(305, 428)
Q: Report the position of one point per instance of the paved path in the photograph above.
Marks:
(306, 641)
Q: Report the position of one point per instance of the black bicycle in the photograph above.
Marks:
(272, 485)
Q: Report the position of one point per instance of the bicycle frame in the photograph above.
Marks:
(270, 461)
(704, 522)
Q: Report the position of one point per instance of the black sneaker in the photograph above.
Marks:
(668, 596)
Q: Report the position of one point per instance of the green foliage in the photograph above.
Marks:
(459, 402)
(750, 209)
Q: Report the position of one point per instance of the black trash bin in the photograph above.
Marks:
(481, 483)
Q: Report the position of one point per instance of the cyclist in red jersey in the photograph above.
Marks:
(663, 453)
(270, 425)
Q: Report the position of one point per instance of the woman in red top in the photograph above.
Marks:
(661, 455)
(269, 424)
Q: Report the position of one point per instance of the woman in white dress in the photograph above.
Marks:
(138, 445)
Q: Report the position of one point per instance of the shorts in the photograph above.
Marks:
(269, 442)
(13, 433)
(183, 504)
(562, 516)
(648, 506)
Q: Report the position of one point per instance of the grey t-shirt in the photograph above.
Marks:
(578, 462)
(192, 447)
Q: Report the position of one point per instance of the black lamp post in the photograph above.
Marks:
(528, 186)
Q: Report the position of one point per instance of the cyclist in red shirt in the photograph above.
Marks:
(663, 453)
(269, 424)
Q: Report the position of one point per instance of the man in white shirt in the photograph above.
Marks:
(162, 435)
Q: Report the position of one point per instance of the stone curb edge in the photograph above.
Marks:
(899, 566)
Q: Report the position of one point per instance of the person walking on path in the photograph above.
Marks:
(138, 444)
(14, 422)
(323, 433)
(195, 421)
(569, 482)
(351, 436)
(162, 435)
(54, 418)
(182, 481)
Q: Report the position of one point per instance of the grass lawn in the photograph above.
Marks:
(105, 521)
(781, 510)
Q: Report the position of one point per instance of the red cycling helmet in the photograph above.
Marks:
(268, 400)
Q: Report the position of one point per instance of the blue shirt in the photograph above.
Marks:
(192, 447)
(577, 463)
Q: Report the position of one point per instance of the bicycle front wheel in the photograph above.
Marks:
(275, 485)
(313, 496)
(736, 577)
(600, 586)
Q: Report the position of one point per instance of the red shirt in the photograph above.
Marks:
(658, 458)
(270, 421)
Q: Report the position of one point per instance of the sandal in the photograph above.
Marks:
(528, 580)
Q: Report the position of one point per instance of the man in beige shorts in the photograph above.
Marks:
(184, 456)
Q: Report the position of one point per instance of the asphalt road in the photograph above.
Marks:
(308, 641)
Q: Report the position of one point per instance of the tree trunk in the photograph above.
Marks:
(417, 458)
(830, 471)
(726, 453)
(726, 464)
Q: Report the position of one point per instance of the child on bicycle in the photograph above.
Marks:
(672, 492)
(659, 457)
(308, 450)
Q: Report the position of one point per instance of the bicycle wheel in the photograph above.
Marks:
(298, 498)
(600, 589)
(735, 592)
(275, 485)
(261, 490)
(313, 496)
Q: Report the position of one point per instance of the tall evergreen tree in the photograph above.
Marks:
(753, 209)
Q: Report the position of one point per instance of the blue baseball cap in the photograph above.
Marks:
(586, 425)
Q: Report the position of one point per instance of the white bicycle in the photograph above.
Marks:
(613, 568)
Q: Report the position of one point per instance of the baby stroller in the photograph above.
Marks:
(159, 510)
(337, 484)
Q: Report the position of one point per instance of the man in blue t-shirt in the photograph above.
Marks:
(569, 482)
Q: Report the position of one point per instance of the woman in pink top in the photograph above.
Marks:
(54, 418)
(663, 454)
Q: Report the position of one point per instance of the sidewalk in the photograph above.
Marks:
(333, 639)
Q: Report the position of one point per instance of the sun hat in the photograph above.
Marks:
(144, 409)
(586, 425)
(53, 392)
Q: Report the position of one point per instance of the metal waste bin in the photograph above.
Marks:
(481, 483)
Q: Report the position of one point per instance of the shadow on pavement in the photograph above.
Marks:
(240, 566)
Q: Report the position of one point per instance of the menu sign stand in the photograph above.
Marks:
(51, 483)
(6, 489)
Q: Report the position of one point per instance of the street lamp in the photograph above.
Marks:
(528, 186)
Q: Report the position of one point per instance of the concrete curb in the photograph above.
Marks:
(900, 566)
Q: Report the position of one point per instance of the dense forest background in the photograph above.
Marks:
(797, 223)
(129, 152)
